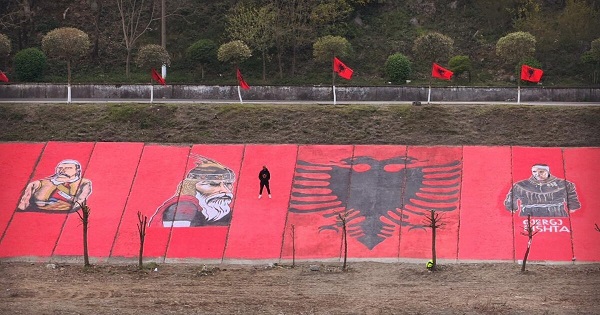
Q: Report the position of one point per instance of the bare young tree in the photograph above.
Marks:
(84, 216)
(433, 221)
(293, 246)
(254, 26)
(342, 220)
(136, 17)
(5, 48)
(142, 224)
(19, 18)
(530, 232)
(597, 227)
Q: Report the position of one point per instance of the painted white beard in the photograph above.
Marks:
(215, 207)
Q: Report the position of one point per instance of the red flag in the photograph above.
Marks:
(440, 72)
(241, 81)
(3, 77)
(341, 69)
(156, 77)
(531, 74)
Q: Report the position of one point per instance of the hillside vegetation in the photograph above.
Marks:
(538, 126)
(376, 29)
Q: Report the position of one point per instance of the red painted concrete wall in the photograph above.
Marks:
(202, 202)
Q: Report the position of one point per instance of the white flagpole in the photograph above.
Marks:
(151, 93)
(334, 98)
(240, 95)
(429, 94)
(519, 94)
(69, 93)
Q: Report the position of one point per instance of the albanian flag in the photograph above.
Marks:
(440, 72)
(531, 74)
(3, 77)
(241, 81)
(157, 77)
(341, 69)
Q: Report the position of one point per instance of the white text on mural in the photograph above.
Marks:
(547, 225)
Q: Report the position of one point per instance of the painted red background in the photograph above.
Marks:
(132, 177)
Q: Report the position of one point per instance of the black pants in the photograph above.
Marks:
(264, 184)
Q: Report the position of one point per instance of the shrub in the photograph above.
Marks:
(202, 53)
(233, 52)
(29, 64)
(433, 47)
(152, 56)
(460, 64)
(398, 68)
(326, 47)
(516, 46)
(66, 43)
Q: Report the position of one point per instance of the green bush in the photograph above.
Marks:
(152, 56)
(460, 64)
(29, 65)
(202, 53)
(398, 68)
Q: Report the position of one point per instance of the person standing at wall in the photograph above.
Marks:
(264, 176)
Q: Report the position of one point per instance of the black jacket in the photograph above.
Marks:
(264, 176)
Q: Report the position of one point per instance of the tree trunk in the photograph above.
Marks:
(433, 254)
(344, 235)
(84, 216)
(97, 6)
(526, 255)
(332, 72)
(127, 62)
(86, 258)
(142, 224)
(264, 72)
(140, 258)
(69, 72)
(293, 60)
(293, 246)
(280, 64)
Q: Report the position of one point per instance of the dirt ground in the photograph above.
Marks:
(365, 288)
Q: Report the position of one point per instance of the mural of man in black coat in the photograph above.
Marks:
(542, 195)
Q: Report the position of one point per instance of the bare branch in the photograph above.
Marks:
(530, 232)
(141, 225)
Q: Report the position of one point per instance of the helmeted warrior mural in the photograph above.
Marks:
(203, 198)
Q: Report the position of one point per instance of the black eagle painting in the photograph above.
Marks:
(378, 195)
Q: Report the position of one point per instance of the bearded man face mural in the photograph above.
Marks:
(203, 198)
(62, 192)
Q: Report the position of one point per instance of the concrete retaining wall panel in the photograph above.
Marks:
(305, 93)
